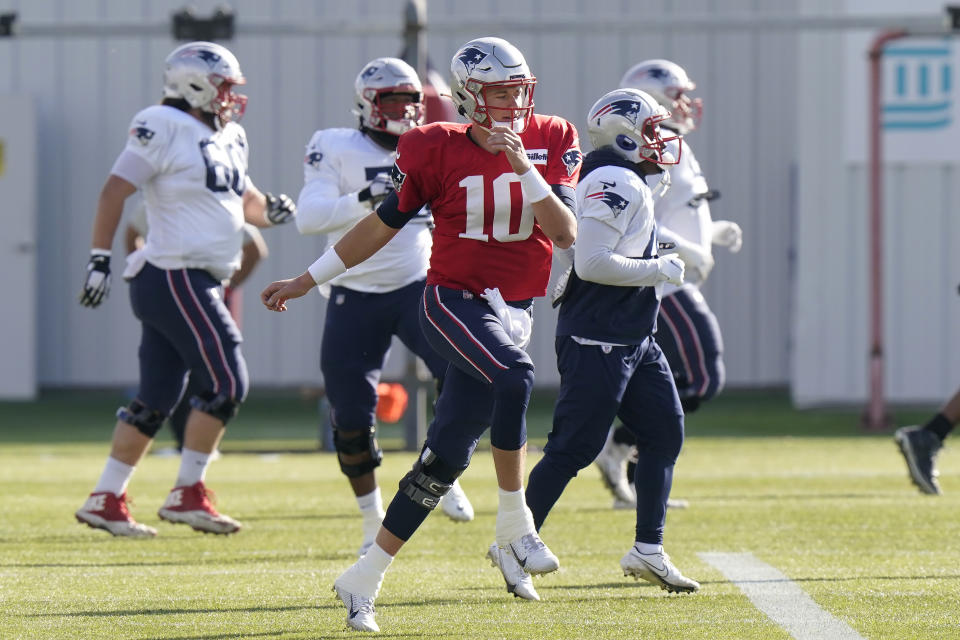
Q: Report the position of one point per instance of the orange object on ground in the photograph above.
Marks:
(391, 401)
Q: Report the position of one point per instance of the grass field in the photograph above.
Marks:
(805, 492)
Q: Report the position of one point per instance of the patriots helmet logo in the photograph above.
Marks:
(617, 203)
(209, 57)
(142, 134)
(658, 73)
(369, 71)
(313, 159)
(571, 160)
(629, 109)
(471, 57)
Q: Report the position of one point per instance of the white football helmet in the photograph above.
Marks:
(490, 62)
(204, 74)
(668, 83)
(628, 121)
(385, 76)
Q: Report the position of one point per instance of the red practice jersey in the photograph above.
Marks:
(485, 234)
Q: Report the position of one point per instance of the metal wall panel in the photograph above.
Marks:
(88, 88)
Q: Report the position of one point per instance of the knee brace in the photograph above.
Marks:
(220, 406)
(429, 480)
(147, 421)
(366, 442)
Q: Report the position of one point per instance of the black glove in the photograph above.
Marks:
(378, 189)
(280, 209)
(97, 285)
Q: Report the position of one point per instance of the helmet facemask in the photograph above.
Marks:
(228, 106)
(685, 112)
(394, 117)
(518, 117)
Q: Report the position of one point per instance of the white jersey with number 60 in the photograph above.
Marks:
(194, 197)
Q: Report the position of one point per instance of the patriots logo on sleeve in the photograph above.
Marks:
(629, 109)
(397, 176)
(571, 160)
(617, 203)
(471, 57)
(313, 159)
(141, 132)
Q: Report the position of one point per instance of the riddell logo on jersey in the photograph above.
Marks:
(537, 156)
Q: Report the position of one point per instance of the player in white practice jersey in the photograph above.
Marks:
(346, 174)
(189, 157)
(688, 331)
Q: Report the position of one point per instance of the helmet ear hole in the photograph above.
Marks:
(626, 143)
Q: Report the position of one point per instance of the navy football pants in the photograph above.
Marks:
(598, 384)
(187, 330)
(689, 335)
(357, 335)
(487, 386)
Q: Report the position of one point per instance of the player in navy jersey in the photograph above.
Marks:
(610, 364)
(687, 330)
(501, 192)
(346, 174)
(189, 156)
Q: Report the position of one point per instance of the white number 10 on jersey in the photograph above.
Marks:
(503, 210)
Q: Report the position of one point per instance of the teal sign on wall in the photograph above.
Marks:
(918, 87)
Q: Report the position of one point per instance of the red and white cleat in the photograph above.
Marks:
(192, 505)
(109, 512)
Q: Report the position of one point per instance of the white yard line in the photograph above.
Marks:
(781, 599)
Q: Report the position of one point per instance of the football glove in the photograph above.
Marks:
(96, 287)
(671, 268)
(280, 209)
(378, 189)
(727, 233)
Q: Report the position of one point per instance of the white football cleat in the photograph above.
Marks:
(519, 582)
(456, 504)
(108, 511)
(657, 568)
(612, 462)
(360, 610)
(533, 555)
(357, 598)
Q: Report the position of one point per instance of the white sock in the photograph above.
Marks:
(371, 508)
(115, 477)
(513, 517)
(366, 575)
(648, 549)
(193, 467)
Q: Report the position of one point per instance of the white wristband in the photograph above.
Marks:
(327, 267)
(534, 186)
(100, 252)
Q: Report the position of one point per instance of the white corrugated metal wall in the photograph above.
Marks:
(87, 89)
(921, 267)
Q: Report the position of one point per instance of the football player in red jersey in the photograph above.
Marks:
(501, 189)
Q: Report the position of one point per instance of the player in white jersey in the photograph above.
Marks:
(189, 157)
(346, 174)
(688, 331)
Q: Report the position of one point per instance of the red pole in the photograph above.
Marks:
(876, 418)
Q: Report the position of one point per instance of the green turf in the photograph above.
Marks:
(803, 491)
